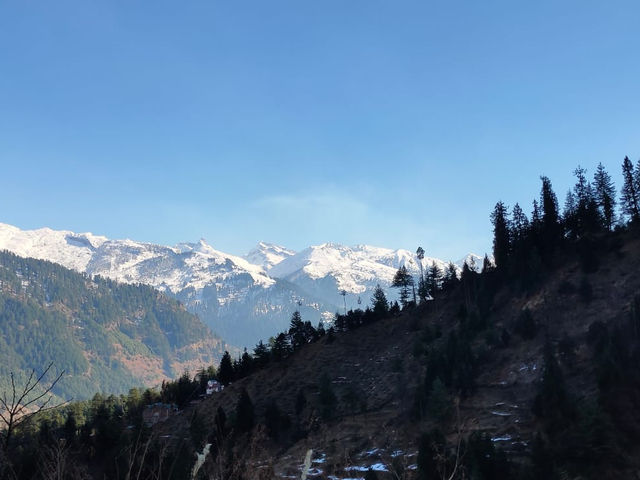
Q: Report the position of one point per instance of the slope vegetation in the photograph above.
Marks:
(106, 336)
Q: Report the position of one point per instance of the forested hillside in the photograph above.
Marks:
(106, 336)
(524, 370)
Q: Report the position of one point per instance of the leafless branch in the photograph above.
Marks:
(27, 401)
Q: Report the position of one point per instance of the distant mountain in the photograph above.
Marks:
(267, 255)
(241, 299)
(106, 335)
(330, 268)
(236, 299)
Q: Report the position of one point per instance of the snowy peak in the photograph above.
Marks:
(268, 254)
(73, 250)
(474, 261)
(355, 269)
(188, 265)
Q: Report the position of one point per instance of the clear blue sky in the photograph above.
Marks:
(393, 123)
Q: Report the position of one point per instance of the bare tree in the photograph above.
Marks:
(24, 402)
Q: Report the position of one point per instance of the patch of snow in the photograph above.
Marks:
(500, 414)
(378, 467)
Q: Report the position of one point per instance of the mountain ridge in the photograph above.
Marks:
(240, 300)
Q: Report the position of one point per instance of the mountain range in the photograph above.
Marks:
(242, 299)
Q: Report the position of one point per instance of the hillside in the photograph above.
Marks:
(526, 369)
(378, 371)
(106, 336)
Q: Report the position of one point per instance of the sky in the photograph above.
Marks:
(390, 123)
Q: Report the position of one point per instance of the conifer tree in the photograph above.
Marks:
(379, 301)
(605, 196)
(261, 354)
(404, 281)
(587, 215)
(630, 195)
(487, 266)
(450, 279)
(550, 222)
(280, 348)
(225, 371)
(519, 223)
(569, 216)
(501, 242)
(296, 331)
(433, 280)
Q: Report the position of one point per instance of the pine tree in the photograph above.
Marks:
(550, 223)
(630, 195)
(403, 280)
(569, 216)
(280, 348)
(225, 370)
(296, 331)
(450, 279)
(261, 354)
(605, 195)
(433, 280)
(519, 223)
(501, 241)
(587, 215)
(379, 301)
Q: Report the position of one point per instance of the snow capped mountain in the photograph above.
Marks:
(329, 268)
(235, 298)
(73, 250)
(241, 299)
(267, 255)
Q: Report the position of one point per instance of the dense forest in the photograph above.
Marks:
(523, 369)
(105, 336)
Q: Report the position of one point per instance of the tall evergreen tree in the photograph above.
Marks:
(450, 279)
(501, 243)
(551, 230)
(297, 331)
(433, 280)
(403, 281)
(569, 215)
(587, 215)
(261, 354)
(519, 223)
(605, 196)
(379, 301)
(630, 195)
(225, 371)
(280, 347)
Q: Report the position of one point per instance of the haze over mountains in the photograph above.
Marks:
(241, 299)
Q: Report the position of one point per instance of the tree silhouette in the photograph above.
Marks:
(605, 196)
(26, 401)
(379, 301)
(403, 280)
(630, 195)
(501, 243)
(225, 371)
